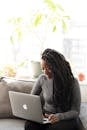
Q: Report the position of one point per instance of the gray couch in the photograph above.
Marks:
(7, 120)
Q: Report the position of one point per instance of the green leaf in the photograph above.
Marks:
(37, 19)
(11, 40)
(15, 20)
(64, 25)
(66, 17)
(60, 7)
(19, 19)
(22, 64)
(54, 28)
(50, 4)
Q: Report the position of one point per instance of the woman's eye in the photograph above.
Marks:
(42, 69)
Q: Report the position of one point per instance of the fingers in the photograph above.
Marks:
(53, 118)
(46, 115)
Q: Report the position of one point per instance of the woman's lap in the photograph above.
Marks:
(30, 125)
(61, 125)
(64, 125)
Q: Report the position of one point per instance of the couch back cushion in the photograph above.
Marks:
(83, 110)
(7, 84)
(83, 89)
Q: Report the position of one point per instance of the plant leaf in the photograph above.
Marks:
(60, 7)
(37, 19)
(50, 4)
(54, 28)
(66, 17)
(64, 26)
(11, 40)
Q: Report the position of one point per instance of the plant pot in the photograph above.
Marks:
(36, 68)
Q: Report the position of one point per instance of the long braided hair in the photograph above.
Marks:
(62, 78)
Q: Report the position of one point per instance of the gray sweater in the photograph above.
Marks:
(45, 85)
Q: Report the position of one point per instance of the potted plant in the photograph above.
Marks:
(51, 20)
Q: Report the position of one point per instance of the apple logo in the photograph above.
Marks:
(25, 106)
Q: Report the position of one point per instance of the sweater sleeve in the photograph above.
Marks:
(36, 90)
(75, 107)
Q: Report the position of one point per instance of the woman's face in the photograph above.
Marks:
(46, 69)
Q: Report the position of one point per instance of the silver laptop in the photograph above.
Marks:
(27, 106)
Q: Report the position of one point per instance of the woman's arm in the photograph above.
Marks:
(37, 88)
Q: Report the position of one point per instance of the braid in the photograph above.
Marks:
(62, 77)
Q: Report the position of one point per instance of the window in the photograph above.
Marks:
(19, 44)
(75, 46)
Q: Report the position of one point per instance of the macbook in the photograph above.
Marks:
(27, 106)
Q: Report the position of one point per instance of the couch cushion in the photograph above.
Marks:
(12, 124)
(83, 88)
(11, 85)
(83, 114)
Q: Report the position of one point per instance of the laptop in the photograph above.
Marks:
(27, 106)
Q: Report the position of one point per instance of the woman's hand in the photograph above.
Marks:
(52, 117)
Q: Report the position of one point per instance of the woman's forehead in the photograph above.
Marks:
(43, 62)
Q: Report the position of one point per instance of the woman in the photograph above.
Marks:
(60, 93)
